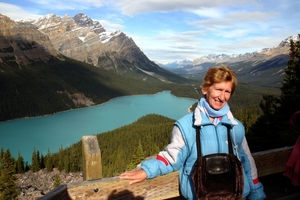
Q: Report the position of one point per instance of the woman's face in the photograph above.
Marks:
(218, 94)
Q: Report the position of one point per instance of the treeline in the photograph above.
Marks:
(272, 129)
(42, 88)
(121, 149)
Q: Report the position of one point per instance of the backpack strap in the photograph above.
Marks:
(198, 142)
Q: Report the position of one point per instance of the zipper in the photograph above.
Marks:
(218, 139)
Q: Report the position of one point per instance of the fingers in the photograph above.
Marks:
(135, 181)
(126, 175)
(134, 176)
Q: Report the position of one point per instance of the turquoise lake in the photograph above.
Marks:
(66, 128)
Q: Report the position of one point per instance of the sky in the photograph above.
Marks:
(174, 30)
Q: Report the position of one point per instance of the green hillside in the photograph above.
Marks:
(45, 88)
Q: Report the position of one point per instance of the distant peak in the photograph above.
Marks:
(84, 21)
(50, 15)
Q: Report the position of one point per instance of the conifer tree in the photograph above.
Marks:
(290, 90)
(74, 160)
(137, 157)
(61, 161)
(56, 181)
(35, 165)
(27, 168)
(49, 164)
(289, 101)
(42, 162)
(8, 186)
(67, 163)
(272, 129)
(20, 168)
(1, 155)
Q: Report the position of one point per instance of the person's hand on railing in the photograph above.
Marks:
(135, 176)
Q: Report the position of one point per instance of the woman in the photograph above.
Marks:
(211, 113)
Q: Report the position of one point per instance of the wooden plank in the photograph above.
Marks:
(161, 187)
(60, 192)
(271, 161)
(166, 187)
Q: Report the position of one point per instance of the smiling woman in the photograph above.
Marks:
(213, 127)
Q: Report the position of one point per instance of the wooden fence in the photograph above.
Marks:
(163, 187)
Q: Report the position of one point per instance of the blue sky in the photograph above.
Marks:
(174, 30)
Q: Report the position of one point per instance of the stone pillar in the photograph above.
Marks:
(92, 165)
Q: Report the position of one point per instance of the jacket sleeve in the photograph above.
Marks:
(168, 160)
(256, 188)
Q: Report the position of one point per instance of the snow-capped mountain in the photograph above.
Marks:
(85, 40)
(250, 67)
(265, 53)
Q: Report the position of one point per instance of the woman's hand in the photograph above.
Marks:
(135, 176)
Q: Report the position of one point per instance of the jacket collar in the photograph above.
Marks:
(201, 119)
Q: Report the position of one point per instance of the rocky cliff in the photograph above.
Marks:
(75, 40)
(23, 43)
(86, 40)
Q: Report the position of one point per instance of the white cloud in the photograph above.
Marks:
(16, 13)
(70, 4)
(133, 7)
(109, 26)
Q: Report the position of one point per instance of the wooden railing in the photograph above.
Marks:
(163, 187)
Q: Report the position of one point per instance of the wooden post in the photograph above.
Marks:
(92, 165)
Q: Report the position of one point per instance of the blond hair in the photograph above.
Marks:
(219, 74)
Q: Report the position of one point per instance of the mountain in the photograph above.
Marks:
(55, 64)
(265, 67)
(36, 79)
(22, 43)
(176, 64)
(87, 41)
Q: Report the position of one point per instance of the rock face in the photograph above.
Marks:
(79, 41)
(86, 40)
(79, 38)
(35, 185)
(23, 43)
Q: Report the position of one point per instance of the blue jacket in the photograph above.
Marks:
(181, 153)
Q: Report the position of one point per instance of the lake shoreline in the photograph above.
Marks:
(21, 118)
(65, 128)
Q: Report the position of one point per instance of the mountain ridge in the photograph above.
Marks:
(269, 52)
(264, 67)
(36, 79)
(87, 41)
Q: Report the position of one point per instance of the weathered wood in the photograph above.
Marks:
(161, 187)
(166, 187)
(271, 161)
(91, 154)
(60, 192)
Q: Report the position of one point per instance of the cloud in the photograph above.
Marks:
(70, 4)
(134, 7)
(109, 26)
(16, 13)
